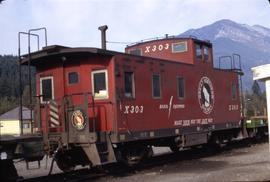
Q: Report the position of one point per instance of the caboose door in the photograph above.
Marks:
(78, 119)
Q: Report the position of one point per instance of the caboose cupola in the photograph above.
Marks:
(184, 50)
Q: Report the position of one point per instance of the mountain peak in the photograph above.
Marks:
(234, 31)
(225, 22)
(229, 37)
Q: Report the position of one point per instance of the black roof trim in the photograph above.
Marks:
(54, 50)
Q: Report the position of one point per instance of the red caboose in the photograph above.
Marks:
(98, 106)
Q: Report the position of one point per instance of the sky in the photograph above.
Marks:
(75, 23)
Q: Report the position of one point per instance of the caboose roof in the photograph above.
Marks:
(58, 50)
(177, 38)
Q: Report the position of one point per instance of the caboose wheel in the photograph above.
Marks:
(174, 148)
(134, 154)
(64, 161)
(8, 171)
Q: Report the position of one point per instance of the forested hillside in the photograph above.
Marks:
(9, 83)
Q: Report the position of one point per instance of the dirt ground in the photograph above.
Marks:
(238, 164)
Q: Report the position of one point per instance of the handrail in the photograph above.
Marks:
(37, 29)
(29, 63)
(232, 60)
(20, 77)
(239, 60)
(151, 39)
(166, 37)
(78, 93)
(19, 40)
(223, 58)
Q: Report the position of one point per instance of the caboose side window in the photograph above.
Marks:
(73, 78)
(156, 86)
(198, 51)
(205, 53)
(129, 85)
(234, 91)
(100, 84)
(46, 89)
(137, 52)
(179, 47)
(180, 87)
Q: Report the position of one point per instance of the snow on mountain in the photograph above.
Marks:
(229, 37)
(264, 31)
(253, 36)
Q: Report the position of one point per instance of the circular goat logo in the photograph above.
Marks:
(77, 119)
(206, 95)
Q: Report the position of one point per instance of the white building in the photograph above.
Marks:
(10, 122)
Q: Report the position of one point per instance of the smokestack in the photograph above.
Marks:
(103, 35)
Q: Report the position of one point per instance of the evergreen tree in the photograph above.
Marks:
(256, 89)
(255, 102)
(9, 83)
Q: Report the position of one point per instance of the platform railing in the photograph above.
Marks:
(57, 111)
(230, 63)
(235, 65)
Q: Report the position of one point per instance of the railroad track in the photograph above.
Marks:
(119, 170)
(74, 176)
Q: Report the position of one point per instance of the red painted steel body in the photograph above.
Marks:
(147, 116)
(155, 111)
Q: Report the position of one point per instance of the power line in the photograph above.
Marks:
(116, 42)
